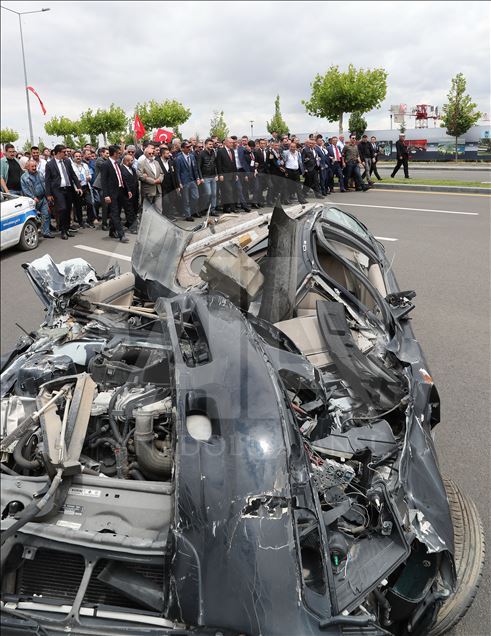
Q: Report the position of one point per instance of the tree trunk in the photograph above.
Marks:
(456, 149)
(104, 136)
(341, 123)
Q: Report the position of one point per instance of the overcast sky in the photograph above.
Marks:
(235, 56)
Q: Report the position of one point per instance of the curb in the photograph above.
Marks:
(431, 188)
(460, 168)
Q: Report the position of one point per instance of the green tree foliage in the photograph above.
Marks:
(218, 127)
(103, 122)
(277, 124)
(337, 92)
(459, 113)
(167, 114)
(357, 124)
(63, 127)
(8, 136)
(122, 139)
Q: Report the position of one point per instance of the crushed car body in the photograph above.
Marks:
(234, 437)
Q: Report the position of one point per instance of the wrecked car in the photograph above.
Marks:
(233, 438)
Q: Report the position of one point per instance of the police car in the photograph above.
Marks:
(18, 222)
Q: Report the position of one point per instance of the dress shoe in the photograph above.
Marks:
(52, 228)
(74, 229)
(91, 225)
(64, 236)
(302, 201)
(105, 227)
(70, 233)
(49, 235)
(124, 239)
(246, 209)
(214, 214)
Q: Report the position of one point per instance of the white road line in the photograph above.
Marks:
(391, 207)
(384, 238)
(121, 257)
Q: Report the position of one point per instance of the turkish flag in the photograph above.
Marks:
(138, 127)
(163, 135)
(30, 88)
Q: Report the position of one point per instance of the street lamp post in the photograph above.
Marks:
(252, 127)
(20, 14)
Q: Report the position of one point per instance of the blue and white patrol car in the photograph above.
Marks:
(18, 222)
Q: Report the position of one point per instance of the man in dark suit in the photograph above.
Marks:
(262, 178)
(115, 192)
(189, 179)
(277, 172)
(376, 153)
(311, 162)
(170, 183)
(402, 157)
(324, 165)
(336, 164)
(60, 184)
(130, 179)
(227, 174)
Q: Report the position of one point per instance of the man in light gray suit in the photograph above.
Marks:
(151, 177)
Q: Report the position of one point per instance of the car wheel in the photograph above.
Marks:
(29, 237)
(469, 558)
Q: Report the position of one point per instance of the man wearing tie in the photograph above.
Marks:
(115, 192)
(262, 178)
(336, 163)
(227, 174)
(60, 181)
(189, 178)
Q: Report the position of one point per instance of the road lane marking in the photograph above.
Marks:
(122, 257)
(392, 207)
(385, 238)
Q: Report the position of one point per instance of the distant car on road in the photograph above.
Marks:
(18, 222)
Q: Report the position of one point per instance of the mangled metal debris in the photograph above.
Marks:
(236, 436)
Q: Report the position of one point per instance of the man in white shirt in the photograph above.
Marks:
(294, 169)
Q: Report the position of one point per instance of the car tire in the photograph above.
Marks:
(469, 558)
(29, 237)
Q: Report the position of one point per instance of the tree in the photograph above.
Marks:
(459, 113)
(63, 127)
(8, 136)
(355, 90)
(357, 124)
(103, 122)
(169, 114)
(218, 127)
(277, 124)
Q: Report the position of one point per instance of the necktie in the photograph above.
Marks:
(118, 172)
(65, 173)
(230, 155)
(337, 153)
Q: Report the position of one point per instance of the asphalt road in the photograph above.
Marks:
(463, 174)
(441, 251)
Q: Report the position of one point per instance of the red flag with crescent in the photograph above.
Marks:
(30, 88)
(163, 135)
(138, 127)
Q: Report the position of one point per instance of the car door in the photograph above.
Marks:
(15, 211)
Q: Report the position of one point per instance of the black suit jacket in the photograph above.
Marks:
(225, 165)
(309, 159)
(401, 149)
(109, 181)
(130, 180)
(52, 177)
(170, 182)
(262, 166)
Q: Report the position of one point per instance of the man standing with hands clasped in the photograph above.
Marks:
(402, 157)
(60, 181)
(115, 192)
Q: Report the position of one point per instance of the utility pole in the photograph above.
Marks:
(252, 127)
(20, 14)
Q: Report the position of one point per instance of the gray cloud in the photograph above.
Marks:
(236, 56)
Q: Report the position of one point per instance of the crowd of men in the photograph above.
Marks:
(185, 179)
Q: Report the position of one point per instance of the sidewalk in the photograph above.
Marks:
(432, 188)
